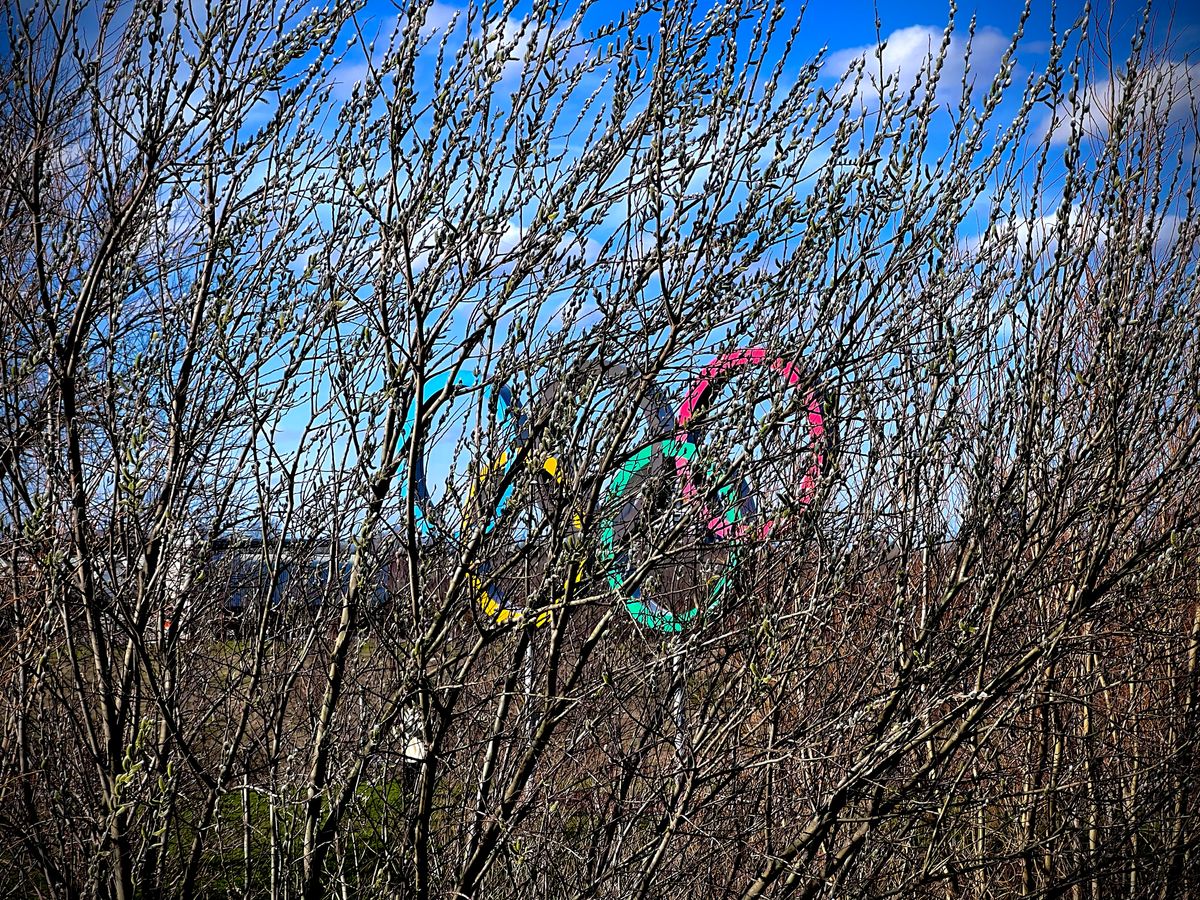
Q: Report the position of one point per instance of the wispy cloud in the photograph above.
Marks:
(439, 18)
(505, 38)
(1036, 237)
(1166, 92)
(904, 54)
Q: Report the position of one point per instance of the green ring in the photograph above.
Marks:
(646, 612)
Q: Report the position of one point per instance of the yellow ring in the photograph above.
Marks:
(491, 606)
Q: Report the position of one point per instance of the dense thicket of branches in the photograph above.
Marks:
(260, 270)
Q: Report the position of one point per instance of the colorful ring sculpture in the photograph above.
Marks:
(729, 513)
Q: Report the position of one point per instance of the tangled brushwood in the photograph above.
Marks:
(563, 453)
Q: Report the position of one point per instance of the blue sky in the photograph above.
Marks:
(850, 25)
(847, 29)
(850, 29)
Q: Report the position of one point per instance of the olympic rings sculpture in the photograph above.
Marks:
(728, 513)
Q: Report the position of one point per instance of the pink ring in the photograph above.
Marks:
(723, 366)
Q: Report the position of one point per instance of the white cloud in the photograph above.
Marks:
(906, 52)
(355, 69)
(439, 17)
(1167, 92)
(1017, 236)
(511, 237)
(1036, 237)
(507, 38)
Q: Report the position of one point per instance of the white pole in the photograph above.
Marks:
(678, 679)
